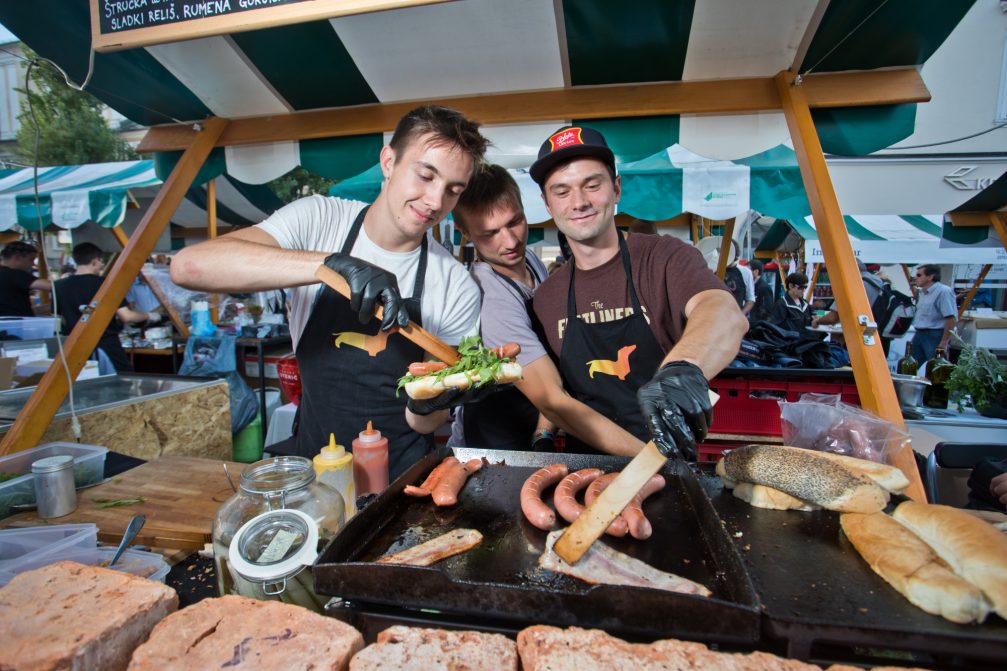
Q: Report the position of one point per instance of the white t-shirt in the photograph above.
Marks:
(449, 307)
(749, 279)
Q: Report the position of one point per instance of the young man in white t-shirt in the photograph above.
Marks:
(349, 362)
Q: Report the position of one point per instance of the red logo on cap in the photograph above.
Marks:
(565, 138)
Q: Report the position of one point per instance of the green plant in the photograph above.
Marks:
(979, 375)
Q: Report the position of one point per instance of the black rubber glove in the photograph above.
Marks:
(368, 285)
(676, 407)
(452, 397)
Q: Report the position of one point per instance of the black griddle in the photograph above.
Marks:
(500, 578)
(817, 592)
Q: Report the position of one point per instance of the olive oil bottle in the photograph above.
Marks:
(907, 365)
(938, 371)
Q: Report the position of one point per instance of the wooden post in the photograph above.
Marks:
(32, 422)
(870, 370)
(169, 309)
(211, 233)
(725, 247)
(120, 236)
(967, 301)
(997, 224)
(813, 282)
(780, 271)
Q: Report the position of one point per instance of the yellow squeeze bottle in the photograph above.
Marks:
(334, 467)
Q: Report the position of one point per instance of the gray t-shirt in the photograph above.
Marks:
(504, 318)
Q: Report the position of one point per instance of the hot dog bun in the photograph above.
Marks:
(971, 547)
(762, 496)
(910, 566)
(806, 475)
(430, 386)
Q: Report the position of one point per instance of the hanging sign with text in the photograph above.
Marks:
(125, 24)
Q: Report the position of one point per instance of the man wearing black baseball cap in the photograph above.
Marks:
(638, 322)
(17, 280)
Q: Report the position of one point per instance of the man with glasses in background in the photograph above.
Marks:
(936, 313)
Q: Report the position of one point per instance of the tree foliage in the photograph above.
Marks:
(71, 127)
(299, 183)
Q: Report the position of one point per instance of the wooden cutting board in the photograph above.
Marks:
(181, 497)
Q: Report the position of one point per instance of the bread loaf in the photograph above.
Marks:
(69, 616)
(888, 477)
(429, 386)
(806, 475)
(544, 648)
(910, 566)
(415, 649)
(762, 496)
(250, 635)
(971, 547)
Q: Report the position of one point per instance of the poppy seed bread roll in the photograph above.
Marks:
(974, 549)
(806, 475)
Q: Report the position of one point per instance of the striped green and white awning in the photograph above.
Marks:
(887, 239)
(69, 196)
(473, 47)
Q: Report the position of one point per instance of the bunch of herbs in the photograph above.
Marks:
(979, 376)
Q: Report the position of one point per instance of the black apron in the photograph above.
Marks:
(505, 420)
(350, 371)
(604, 364)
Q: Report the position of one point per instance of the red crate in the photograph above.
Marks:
(751, 407)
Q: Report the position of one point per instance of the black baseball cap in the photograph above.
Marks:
(567, 143)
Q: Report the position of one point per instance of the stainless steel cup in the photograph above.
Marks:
(55, 493)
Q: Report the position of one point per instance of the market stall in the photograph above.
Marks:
(676, 65)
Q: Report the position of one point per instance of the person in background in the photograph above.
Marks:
(490, 213)
(17, 280)
(350, 362)
(638, 323)
(936, 313)
(748, 277)
(763, 293)
(141, 297)
(872, 287)
(74, 292)
(791, 311)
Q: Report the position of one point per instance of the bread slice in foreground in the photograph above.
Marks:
(70, 616)
(417, 649)
(544, 648)
(234, 631)
(806, 475)
(910, 566)
(971, 547)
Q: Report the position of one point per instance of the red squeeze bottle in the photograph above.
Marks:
(370, 462)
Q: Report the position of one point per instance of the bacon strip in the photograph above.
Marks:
(436, 549)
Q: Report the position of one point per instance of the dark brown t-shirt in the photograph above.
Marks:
(666, 273)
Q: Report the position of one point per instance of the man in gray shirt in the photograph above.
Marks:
(936, 313)
(491, 214)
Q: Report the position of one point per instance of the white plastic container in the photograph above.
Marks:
(28, 328)
(25, 549)
(88, 468)
(138, 562)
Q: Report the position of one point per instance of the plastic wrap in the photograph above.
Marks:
(823, 422)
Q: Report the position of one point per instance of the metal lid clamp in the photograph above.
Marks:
(274, 546)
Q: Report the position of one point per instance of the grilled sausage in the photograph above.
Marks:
(453, 478)
(619, 527)
(428, 485)
(538, 513)
(422, 368)
(565, 496)
(508, 351)
(639, 526)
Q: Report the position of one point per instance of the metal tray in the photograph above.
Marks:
(501, 579)
(816, 589)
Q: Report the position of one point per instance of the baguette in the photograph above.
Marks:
(910, 566)
(806, 475)
(430, 386)
(971, 547)
(889, 477)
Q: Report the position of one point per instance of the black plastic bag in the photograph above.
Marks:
(207, 356)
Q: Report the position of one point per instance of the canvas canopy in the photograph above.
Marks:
(887, 239)
(477, 47)
(70, 196)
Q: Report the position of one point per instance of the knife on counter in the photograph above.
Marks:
(591, 523)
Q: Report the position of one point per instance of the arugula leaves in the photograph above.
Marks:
(475, 359)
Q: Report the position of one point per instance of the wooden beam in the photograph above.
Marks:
(969, 219)
(967, 301)
(169, 309)
(997, 223)
(33, 420)
(814, 280)
(9, 236)
(725, 248)
(120, 236)
(211, 233)
(870, 370)
(875, 87)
